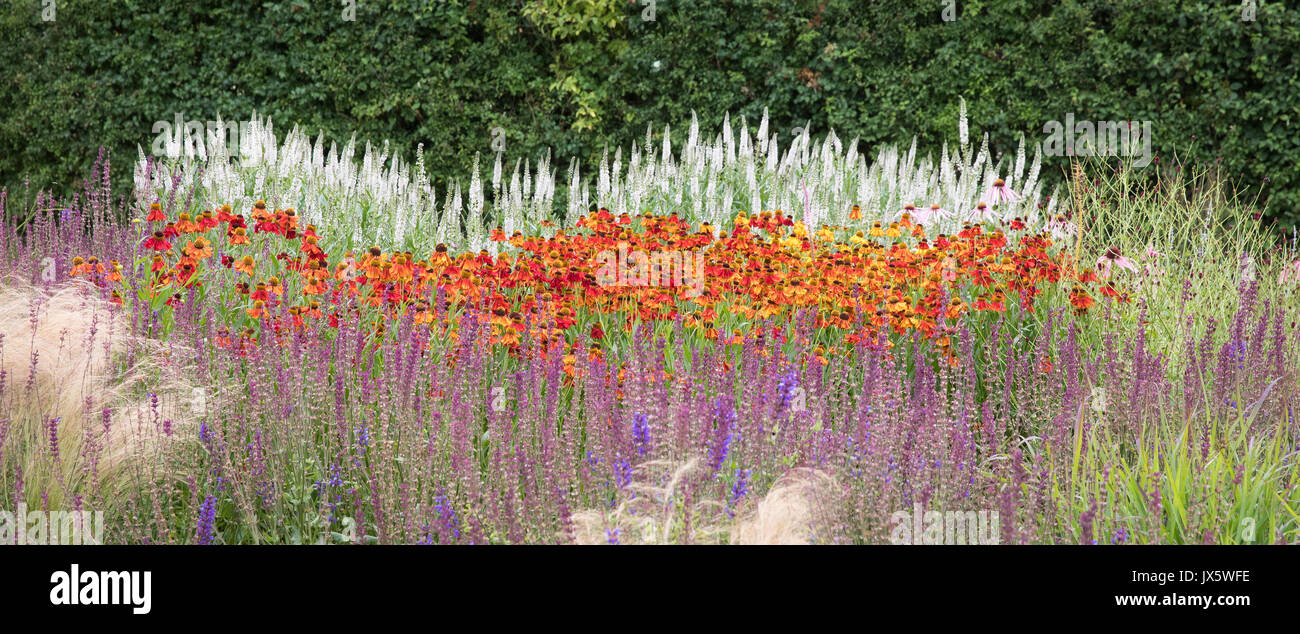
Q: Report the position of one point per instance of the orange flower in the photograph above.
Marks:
(245, 265)
(185, 224)
(238, 235)
(157, 242)
(199, 248)
(1080, 299)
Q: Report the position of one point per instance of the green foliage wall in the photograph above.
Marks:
(577, 75)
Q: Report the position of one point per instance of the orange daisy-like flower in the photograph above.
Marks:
(199, 248)
(157, 242)
(155, 213)
(186, 224)
(245, 265)
(224, 215)
(238, 235)
(1081, 300)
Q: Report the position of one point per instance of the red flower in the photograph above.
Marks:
(157, 242)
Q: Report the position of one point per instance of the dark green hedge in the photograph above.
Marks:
(579, 77)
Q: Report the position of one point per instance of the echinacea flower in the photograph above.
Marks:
(926, 216)
(908, 212)
(982, 213)
(1000, 193)
(1113, 257)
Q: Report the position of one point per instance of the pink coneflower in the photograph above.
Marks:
(927, 216)
(1000, 193)
(983, 213)
(1113, 257)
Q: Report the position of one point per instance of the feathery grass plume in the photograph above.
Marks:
(789, 513)
(78, 395)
